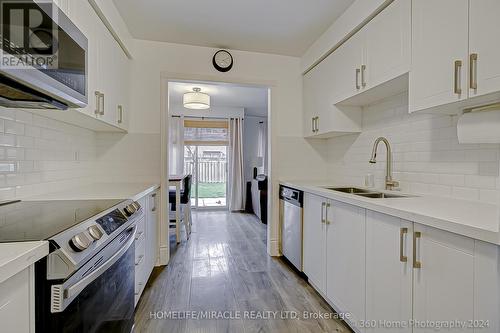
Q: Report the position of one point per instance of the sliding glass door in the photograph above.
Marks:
(206, 158)
(208, 165)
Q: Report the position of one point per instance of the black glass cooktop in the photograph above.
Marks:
(40, 220)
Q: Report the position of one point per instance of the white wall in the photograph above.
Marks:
(291, 154)
(40, 155)
(250, 144)
(427, 156)
(213, 112)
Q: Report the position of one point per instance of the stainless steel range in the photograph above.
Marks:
(86, 283)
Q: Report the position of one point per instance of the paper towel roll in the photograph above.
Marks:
(479, 127)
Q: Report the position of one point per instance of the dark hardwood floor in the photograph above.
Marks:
(224, 268)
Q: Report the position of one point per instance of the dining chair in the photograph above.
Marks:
(185, 207)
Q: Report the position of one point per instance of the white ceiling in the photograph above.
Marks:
(252, 99)
(285, 27)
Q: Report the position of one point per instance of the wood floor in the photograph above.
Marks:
(224, 268)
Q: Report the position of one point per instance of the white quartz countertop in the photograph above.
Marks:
(15, 257)
(468, 218)
(103, 191)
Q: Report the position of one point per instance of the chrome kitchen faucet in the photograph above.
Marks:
(390, 184)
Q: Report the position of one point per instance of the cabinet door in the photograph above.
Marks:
(16, 299)
(388, 271)
(388, 40)
(151, 230)
(443, 287)
(483, 30)
(345, 259)
(440, 39)
(317, 105)
(314, 241)
(123, 72)
(311, 100)
(344, 64)
(109, 75)
(487, 286)
(88, 22)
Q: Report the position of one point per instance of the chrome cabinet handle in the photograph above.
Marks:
(317, 124)
(313, 123)
(357, 78)
(120, 114)
(154, 202)
(141, 258)
(97, 103)
(323, 206)
(473, 71)
(458, 70)
(326, 213)
(402, 234)
(416, 263)
(363, 79)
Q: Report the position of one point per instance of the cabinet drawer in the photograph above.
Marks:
(140, 228)
(15, 298)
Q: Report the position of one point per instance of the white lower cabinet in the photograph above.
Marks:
(345, 259)
(146, 244)
(315, 241)
(443, 285)
(17, 297)
(392, 275)
(388, 273)
(334, 253)
(487, 287)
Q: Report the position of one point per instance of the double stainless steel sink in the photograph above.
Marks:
(367, 193)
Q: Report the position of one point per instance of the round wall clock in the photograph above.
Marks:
(222, 61)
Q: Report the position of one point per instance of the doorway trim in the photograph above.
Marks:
(272, 224)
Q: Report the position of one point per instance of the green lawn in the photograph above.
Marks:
(212, 190)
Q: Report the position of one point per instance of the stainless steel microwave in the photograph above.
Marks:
(44, 57)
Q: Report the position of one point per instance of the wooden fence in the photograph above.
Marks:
(210, 171)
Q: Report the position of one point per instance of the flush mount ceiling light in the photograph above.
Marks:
(196, 100)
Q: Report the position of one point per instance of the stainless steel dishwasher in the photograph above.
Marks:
(291, 218)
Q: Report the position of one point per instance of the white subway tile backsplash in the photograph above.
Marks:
(37, 154)
(427, 156)
(466, 193)
(12, 127)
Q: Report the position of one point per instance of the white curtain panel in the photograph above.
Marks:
(176, 146)
(262, 147)
(236, 195)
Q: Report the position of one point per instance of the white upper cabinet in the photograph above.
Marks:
(345, 64)
(88, 23)
(315, 241)
(322, 119)
(373, 56)
(439, 53)
(484, 56)
(388, 44)
(346, 259)
(388, 271)
(443, 282)
(454, 61)
(108, 69)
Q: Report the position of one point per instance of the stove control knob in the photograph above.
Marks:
(136, 205)
(95, 232)
(80, 242)
(129, 210)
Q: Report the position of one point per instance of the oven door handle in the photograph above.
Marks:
(63, 295)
